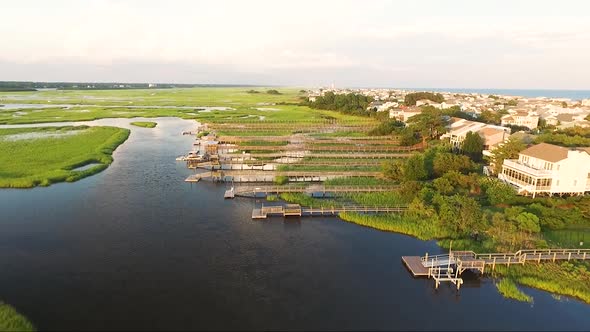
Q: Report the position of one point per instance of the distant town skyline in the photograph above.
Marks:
(451, 44)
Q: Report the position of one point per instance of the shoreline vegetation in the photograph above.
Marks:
(508, 289)
(144, 124)
(448, 197)
(41, 156)
(11, 320)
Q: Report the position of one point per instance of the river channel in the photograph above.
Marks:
(135, 247)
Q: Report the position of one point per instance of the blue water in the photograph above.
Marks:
(136, 248)
(571, 94)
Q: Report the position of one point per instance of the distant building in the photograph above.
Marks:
(550, 169)
(491, 134)
(521, 118)
(403, 114)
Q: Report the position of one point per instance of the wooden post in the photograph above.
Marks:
(494, 265)
(569, 256)
(509, 260)
(539, 260)
(554, 256)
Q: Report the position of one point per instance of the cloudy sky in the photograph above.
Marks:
(438, 44)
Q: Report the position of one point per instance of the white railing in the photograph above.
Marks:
(513, 163)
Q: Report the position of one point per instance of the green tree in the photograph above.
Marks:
(498, 192)
(564, 104)
(509, 150)
(430, 123)
(528, 222)
(445, 162)
(393, 169)
(473, 146)
(411, 98)
(415, 168)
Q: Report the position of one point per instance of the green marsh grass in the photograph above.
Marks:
(508, 289)
(11, 320)
(52, 154)
(144, 124)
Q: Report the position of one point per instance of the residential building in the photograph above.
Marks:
(403, 114)
(549, 169)
(491, 134)
(521, 118)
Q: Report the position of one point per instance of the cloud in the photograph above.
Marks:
(376, 42)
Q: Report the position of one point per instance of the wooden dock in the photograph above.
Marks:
(269, 176)
(301, 154)
(449, 267)
(415, 266)
(296, 210)
(253, 191)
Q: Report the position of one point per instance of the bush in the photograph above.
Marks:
(280, 180)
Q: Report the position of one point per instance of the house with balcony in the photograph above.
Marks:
(549, 169)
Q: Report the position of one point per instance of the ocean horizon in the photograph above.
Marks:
(531, 93)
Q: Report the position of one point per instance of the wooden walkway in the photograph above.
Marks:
(309, 139)
(268, 176)
(449, 267)
(296, 210)
(300, 154)
(250, 191)
(313, 147)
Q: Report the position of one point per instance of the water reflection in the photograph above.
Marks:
(134, 247)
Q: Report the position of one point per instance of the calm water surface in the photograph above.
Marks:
(135, 247)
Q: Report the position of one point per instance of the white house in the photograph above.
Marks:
(550, 169)
(403, 114)
(521, 118)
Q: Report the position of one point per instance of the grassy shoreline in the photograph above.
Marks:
(508, 289)
(41, 156)
(144, 124)
(11, 320)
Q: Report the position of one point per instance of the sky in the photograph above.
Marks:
(438, 44)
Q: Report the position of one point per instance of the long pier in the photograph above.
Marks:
(269, 176)
(314, 147)
(296, 210)
(301, 154)
(449, 267)
(252, 191)
(307, 139)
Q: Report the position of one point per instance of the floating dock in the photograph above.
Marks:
(415, 266)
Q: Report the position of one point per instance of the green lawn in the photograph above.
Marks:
(10, 320)
(40, 156)
(144, 124)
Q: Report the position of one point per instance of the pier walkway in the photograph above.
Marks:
(449, 267)
(296, 210)
(301, 154)
(252, 191)
(314, 147)
(269, 176)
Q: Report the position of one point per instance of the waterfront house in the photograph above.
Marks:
(549, 169)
